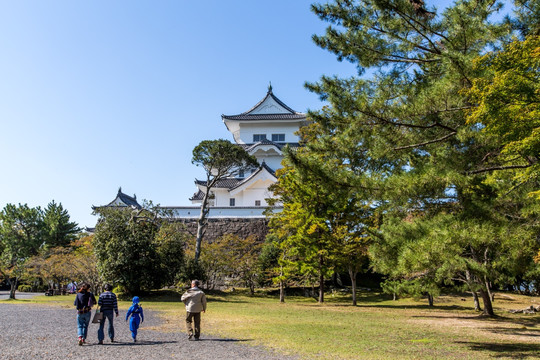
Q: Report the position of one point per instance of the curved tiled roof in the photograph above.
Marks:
(258, 117)
(126, 200)
(231, 183)
(223, 183)
(290, 115)
(280, 146)
(263, 166)
(197, 196)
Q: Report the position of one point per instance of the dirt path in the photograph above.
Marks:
(31, 331)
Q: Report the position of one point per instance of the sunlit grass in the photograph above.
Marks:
(378, 328)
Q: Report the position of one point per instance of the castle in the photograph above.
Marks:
(238, 202)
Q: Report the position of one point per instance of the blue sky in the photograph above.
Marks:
(100, 94)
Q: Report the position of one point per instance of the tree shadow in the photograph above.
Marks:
(533, 333)
(422, 307)
(505, 350)
(219, 300)
(523, 321)
(226, 340)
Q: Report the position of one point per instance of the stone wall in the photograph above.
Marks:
(242, 227)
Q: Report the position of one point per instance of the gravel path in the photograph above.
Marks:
(32, 331)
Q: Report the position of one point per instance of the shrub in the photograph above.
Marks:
(24, 288)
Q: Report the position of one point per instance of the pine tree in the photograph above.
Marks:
(401, 135)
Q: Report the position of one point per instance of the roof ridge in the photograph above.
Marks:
(270, 93)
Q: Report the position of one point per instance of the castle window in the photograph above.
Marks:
(259, 137)
(278, 137)
(232, 201)
(257, 202)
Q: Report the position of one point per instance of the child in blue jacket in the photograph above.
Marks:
(137, 317)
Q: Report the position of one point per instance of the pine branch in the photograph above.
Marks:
(496, 168)
(427, 142)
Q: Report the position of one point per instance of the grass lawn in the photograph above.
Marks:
(377, 328)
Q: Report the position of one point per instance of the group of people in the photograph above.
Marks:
(194, 299)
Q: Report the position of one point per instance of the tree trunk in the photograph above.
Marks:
(477, 306)
(469, 282)
(201, 225)
(13, 287)
(430, 299)
(488, 287)
(352, 275)
(488, 307)
(321, 280)
(281, 291)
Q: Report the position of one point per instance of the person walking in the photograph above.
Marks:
(108, 306)
(137, 317)
(84, 302)
(195, 301)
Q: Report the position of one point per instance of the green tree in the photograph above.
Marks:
(170, 242)
(20, 236)
(85, 262)
(506, 91)
(303, 224)
(57, 229)
(401, 136)
(137, 249)
(243, 255)
(220, 159)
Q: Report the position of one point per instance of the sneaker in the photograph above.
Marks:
(80, 341)
(190, 336)
(134, 340)
(197, 339)
(100, 342)
(112, 339)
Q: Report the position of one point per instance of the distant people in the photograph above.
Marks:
(109, 306)
(84, 302)
(137, 317)
(195, 301)
(72, 287)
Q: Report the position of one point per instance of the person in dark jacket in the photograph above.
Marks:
(137, 316)
(108, 306)
(84, 302)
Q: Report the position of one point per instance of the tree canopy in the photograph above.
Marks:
(220, 159)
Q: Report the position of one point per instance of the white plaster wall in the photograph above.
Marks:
(222, 197)
(251, 195)
(248, 130)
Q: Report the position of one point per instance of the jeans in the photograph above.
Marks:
(82, 324)
(109, 315)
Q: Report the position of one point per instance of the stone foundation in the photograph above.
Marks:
(241, 227)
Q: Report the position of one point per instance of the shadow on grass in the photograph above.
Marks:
(422, 307)
(227, 340)
(518, 320)
(15, 301)
(506, 350)
(225, 300)
(533, 333)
